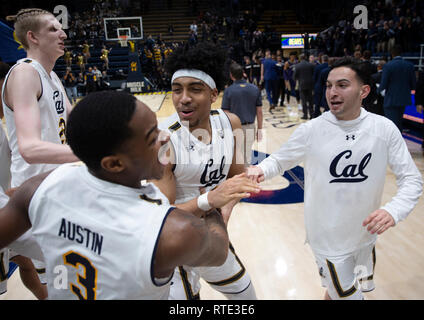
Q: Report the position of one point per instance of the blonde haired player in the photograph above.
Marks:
(34, 101)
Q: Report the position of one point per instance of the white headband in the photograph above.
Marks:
(194, 73)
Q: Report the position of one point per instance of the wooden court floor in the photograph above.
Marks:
(269, 239)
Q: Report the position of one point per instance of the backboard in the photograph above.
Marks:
(129, 26)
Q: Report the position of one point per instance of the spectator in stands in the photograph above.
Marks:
(357, 55)
(372, 35)
(90, 81)
(80, 85)
(150, 42)
(205, 31)
(157, 53)
(171, 29)
(193, 28)
(98, 75)
(104, 83)
(398, 80)
(192, 40)
(70, 84)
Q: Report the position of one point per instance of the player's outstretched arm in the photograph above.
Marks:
(189, 240)
(255, 173)
(14, 220)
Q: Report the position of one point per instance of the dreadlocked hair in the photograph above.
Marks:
(207, 57)
(27, 20)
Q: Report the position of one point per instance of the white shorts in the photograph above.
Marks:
(347, 276)
(229, 278)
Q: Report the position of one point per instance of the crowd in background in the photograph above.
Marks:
(389, 24)
(231, 25)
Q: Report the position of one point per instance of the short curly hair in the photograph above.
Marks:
(98, 125)
(207, 57)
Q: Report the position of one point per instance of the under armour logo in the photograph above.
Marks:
(352, 136)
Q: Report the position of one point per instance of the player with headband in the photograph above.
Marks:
(203, 159)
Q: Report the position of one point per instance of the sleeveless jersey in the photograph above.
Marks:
(200, 165)
(4, 160)
(103, 236)
(53, 118)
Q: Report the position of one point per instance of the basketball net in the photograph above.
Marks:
(123, 40)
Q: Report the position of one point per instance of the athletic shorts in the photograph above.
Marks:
(347, 276)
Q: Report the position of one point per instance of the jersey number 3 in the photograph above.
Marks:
(62, 130)
(88, 281)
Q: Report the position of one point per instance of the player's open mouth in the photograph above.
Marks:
(336, 103)
(187, 113)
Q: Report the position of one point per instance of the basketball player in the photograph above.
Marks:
(203, 157)
(112, 237)
(345, 153)
(34, 101)
(27, 270)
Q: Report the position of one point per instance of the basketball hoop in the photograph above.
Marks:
(123, 40)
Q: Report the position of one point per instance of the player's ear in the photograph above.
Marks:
(214, 95)
(365, 91)
(112, 164)
(32, 37)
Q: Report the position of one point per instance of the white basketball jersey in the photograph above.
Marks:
(98, 239)
(53, 118)
(4, 160)
(200, 165)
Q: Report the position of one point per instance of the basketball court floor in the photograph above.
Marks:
(270, 238)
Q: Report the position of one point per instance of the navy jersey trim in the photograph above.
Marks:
(152, 277)
(175, 126)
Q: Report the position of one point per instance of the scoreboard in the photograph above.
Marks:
(294, 41)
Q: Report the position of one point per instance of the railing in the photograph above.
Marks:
(419, 65)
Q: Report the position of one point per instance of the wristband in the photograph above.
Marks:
(203, 203)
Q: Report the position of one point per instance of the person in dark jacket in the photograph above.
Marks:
(304, 73)
(398, 80)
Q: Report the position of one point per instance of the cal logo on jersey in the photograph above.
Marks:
(350, 173)
(210, 178)
(58, 102)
